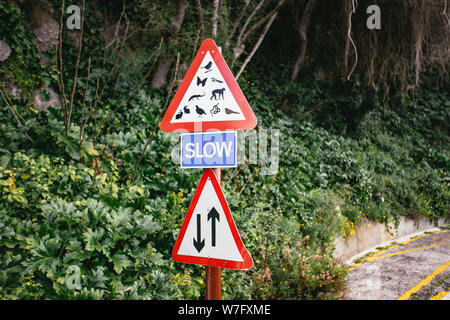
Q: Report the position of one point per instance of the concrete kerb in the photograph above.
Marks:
(370, 235)
(374, 249)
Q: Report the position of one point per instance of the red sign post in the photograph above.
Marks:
(209, 99)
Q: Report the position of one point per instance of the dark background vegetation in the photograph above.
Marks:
(91, 202)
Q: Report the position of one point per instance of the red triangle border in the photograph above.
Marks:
(248, 123)
(247, 262)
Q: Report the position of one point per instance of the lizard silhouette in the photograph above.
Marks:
(196, 96)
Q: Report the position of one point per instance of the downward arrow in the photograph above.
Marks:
(213, 214)
(197, 243)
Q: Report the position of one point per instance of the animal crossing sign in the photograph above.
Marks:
(209, 97)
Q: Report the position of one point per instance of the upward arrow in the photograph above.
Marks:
(213, 214)
(197, 243)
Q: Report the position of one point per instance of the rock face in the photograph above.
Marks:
(12, 90)
(5, 51)
(47, 34)
(44, 27)
(45, 98)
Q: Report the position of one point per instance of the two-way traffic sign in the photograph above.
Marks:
(209, 235)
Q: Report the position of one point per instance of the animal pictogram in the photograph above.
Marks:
(217, 94)
(215, 109)
(179, 115)
(207, 67)
(201, 82)
(199, 111)
(229, 111)
(196, 96)
(216, 80)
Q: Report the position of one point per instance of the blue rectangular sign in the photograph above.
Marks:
(209, 150)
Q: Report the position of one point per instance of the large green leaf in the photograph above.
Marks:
(120, 262)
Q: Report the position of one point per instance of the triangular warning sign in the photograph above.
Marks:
(208, 235)
(209, 97)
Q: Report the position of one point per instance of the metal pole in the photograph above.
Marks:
(213, 277)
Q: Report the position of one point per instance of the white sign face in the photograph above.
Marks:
(208, 233)
(208, 97)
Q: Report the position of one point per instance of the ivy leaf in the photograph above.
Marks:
(157, 259)
(89, 149)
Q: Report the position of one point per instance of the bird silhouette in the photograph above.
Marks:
(229, 111)
(186, 110)
(179, 115)
(208, 66)
(199, 111)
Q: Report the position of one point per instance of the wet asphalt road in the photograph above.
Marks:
(418, 268)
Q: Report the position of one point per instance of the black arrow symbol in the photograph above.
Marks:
(213, 214)
(197, 243)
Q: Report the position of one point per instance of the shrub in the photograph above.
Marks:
(299, 272)
(66, 233)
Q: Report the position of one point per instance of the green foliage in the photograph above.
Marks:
(300, 273)
(379, 162)
(62, 224)
(22, 67)
(285, 266)
(73, 226)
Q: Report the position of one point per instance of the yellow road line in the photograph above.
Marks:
(354, 266)
(440, 295)
(437, 238)
(424, 282)
(402, 244)
(377, 256)
(402, 252)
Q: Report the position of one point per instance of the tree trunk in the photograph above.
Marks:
(302, 29)
(258, 43)
(347, 10)
(198, 7)
(236, 24)
(179, 17)
(214, 18)
(159, 78)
